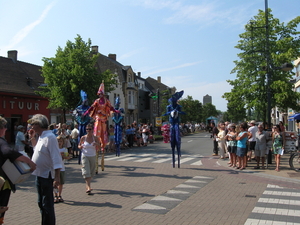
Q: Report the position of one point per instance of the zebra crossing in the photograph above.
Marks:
(194, 160)
(277, 205)
(165, 202)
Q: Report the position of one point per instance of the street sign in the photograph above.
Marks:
(158, 121)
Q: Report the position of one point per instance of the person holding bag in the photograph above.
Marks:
(278, 139)
(7, 153)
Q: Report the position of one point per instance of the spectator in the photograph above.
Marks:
(48, 165)
(7, 153)
(89, 145)
(261, 146)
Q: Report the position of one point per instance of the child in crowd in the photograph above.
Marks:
(65, 155)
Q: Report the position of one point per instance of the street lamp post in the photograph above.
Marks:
(269, 68)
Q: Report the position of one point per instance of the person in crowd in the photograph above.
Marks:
(129, 135)
(221, 140)
(89, 145)
(20, 139)
(278, 139)
(215, 132)
(111, 145)
(145, 134)
(261, 137)
(65, 156)
(48, 165)
(74, 141)
(65, 131)
(242, 146)
(282, 127)
(252, 140)
(232, 144)
(7, 153)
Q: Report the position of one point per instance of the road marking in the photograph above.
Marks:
(195, 181)
(149, 206)
(162, 160)
(189, 141)
(177, 192)
(198, 163)
(186, 186)
(158, 203)
(144, 159)
(117, 158)
(164, 198)
(277, 205)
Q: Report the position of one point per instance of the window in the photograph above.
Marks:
(129, 97)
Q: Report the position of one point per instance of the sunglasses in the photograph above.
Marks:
(89, 129)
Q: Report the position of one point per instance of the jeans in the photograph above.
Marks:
(45, 199)
(216, 148)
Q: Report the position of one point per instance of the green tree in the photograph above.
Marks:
(250, 88)
(71, 70)
(192, 108)
(209, 110)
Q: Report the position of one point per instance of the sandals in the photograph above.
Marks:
(60, 199)
(56, 199)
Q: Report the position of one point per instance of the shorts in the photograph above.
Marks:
(252, 145)
(260, 153)
(241, 152)
(111, 138)
(88, 168)
(232, 149)
(62, 177)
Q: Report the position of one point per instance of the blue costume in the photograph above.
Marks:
(81, 119)
(118, 118)
(173, 111)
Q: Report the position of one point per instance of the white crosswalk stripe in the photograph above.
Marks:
(194, 160)
(277, 205)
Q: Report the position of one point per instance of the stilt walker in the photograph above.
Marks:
(118, 118)
(100, 111)
(82, 120)
(173, 111)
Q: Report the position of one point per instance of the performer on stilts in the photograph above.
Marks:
(118, 119)
(100, 111)
(82, 120)
(173, 111)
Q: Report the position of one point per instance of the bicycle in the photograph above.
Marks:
(294, 161)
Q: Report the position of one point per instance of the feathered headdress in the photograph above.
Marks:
(101, 89)
(175, 97)
(83, 95)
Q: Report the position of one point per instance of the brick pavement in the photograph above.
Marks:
(228, 199)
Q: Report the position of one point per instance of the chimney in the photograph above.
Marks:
(95, 49)
(159, 79)
(112, 56)
(139, 74)
(13, 55)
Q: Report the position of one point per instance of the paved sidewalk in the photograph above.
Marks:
(285, 173)
(131, 192)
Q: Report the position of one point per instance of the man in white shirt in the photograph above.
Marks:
(74, 141)
(48, 162)
(252, 140)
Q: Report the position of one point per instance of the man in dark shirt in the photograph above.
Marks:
(215, 132)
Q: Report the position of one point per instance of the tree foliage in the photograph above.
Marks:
(71, 70)
(192, 108)
(249, 89)
(209, 110)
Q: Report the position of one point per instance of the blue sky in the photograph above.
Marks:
(188, 43)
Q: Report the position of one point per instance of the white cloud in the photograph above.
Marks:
(172, 68)
(23, 33)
